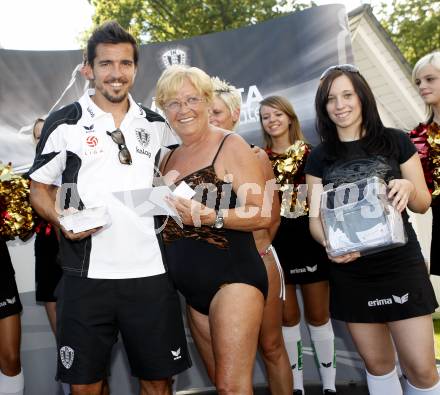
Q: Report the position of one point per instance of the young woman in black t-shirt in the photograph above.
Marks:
(303, 262)
(384, 297)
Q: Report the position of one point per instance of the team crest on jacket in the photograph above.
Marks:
(67, 355)
(143, 137)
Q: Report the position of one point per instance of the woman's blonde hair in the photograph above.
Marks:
(229, 94)
(174, 76)
(433, 59)
(282, 104)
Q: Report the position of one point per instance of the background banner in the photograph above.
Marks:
(284, 56)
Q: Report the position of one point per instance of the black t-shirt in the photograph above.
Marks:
(357, 164)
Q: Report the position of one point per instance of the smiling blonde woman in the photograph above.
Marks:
(426, 76)
(213, 259)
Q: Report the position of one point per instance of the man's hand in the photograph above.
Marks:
(68, 234)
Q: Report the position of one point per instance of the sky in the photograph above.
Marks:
(56, 24)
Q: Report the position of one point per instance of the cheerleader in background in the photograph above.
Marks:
(225, 113)
(47, 269)
(288, 151)
(426, 76)
(11, 374)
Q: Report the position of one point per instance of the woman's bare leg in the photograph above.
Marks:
(199, 325)
(10, 335)
(235, 319)
(271, 337)
(414, 341)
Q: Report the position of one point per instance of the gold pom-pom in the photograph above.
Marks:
(434, 156)
(16, 214)
(288, 174)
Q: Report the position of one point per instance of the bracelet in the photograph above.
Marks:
(266, 251)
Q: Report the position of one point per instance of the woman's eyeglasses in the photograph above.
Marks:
(342, 67)
(124, 154)
(176, 105)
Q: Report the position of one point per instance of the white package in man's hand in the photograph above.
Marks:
(89, 218)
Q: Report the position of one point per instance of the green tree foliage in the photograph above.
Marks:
(414, 26)
(165, 20)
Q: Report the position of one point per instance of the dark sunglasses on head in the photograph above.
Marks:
(124, 154)
(342, 67)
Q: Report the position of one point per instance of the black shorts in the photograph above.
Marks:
(10, 303)
(91, 313)
(304, 261)
(47, 269)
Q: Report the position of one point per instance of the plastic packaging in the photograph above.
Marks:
(360, 217)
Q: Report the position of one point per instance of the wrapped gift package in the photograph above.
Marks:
(360, 217)
(86, 219)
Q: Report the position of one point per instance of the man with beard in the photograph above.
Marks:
(114, 277)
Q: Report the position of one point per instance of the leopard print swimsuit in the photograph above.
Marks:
(202, 259)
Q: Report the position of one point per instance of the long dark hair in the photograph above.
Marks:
(375, 140)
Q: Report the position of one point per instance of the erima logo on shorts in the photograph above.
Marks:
(67, 355)
(395, 299)
(8, 301)
(176, 354)
(306, 269)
